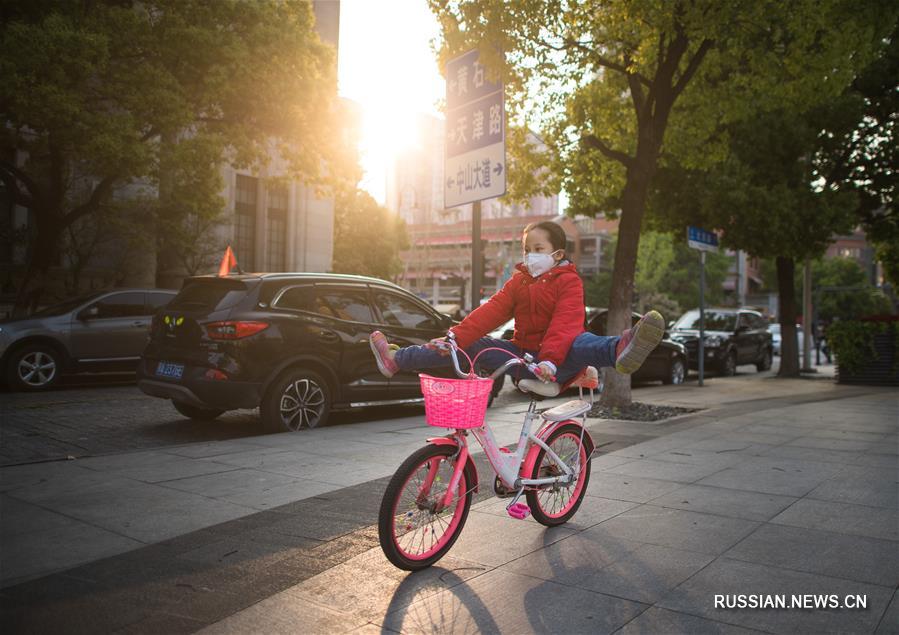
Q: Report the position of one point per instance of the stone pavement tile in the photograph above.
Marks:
(153, 467)
(719, 445)
(823, 552)
(889, 623)
(813, 454)
(724, 576)
(284, 613)
(848, 433)
(760, 438)
(877, 459)
(504, 602)
(600, 562)
(53, 476)
(217, 448)
(161, 622)
(862, 485)
(691, 531)
(19, 517)
(844, 518)
(771, 475)
(628, 488)
(690, 456)
(251, 488)
(567, 560)
(593, 510)
(656, 620)
(147, 513)
(725, 502)
(847, 445)
(605, 461)
(368, 586)
(665, 470)
(59, 547)
(36, 607)
(492, 540)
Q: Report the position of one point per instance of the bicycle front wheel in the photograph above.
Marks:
(553, 505)
(414, 528)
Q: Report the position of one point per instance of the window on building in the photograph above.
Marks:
(245, 221)
(276, 239)
(850, 252)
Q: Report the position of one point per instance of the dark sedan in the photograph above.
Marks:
(732, 337)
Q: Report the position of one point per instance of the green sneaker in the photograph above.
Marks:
(639, 342)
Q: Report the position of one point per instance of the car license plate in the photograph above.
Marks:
(170, 370)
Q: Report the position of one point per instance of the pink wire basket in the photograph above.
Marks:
(455, 403)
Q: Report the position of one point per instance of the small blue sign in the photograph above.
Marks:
(699, 238)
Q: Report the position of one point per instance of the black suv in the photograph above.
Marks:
(732, 337)
(295, 345)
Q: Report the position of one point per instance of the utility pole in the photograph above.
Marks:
(477, 273)
(807, 318)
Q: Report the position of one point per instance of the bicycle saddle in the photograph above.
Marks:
(587, 378)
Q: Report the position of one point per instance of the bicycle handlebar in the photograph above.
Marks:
(527, 361)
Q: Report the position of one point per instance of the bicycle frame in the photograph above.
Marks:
(507, 465)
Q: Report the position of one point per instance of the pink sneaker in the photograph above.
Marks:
(383, 357)
(637, 343)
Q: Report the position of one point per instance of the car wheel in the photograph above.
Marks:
(297, 399)
(765, 363)
(195, 412)
(677, 372)
(34, 367)
(729, 365)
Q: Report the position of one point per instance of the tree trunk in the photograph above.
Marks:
(617, 387)
(786, 298)
(44, 254)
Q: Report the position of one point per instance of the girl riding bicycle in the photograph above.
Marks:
(546, 298)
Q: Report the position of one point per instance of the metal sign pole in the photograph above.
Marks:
(477, 276)
(701, 316)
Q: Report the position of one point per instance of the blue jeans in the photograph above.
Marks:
(586, 350)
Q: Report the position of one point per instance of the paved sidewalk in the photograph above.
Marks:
(778, 487)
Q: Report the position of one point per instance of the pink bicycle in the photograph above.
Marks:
(427, 501)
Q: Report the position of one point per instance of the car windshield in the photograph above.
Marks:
(714, 321)
(65, 307)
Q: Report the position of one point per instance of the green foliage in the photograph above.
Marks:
(853, 342)
(667, 276)
(860, 299)
(367, 237)
(156, 93)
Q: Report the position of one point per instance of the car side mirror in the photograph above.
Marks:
(89, 313)
(446, 320)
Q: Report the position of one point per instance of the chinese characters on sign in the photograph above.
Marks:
(475, 134)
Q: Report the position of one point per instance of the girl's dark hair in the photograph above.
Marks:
(556, 234)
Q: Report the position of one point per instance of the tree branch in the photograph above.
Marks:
(692, 66)
(100, 192)
(600, 60)
(595, 143)
(19, 175)
(636, 88)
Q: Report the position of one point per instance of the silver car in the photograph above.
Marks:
(100, 332)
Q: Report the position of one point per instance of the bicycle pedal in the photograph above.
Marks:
(519, 511)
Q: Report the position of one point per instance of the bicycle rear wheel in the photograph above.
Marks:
(553, 505)
(413, 530)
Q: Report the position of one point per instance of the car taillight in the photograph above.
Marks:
(234, 330)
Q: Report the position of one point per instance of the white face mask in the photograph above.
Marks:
(538, 264)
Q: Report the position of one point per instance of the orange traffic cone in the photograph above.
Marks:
(228, 262)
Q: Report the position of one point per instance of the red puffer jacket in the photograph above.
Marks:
(548, 312)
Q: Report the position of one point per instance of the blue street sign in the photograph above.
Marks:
(698, 238)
